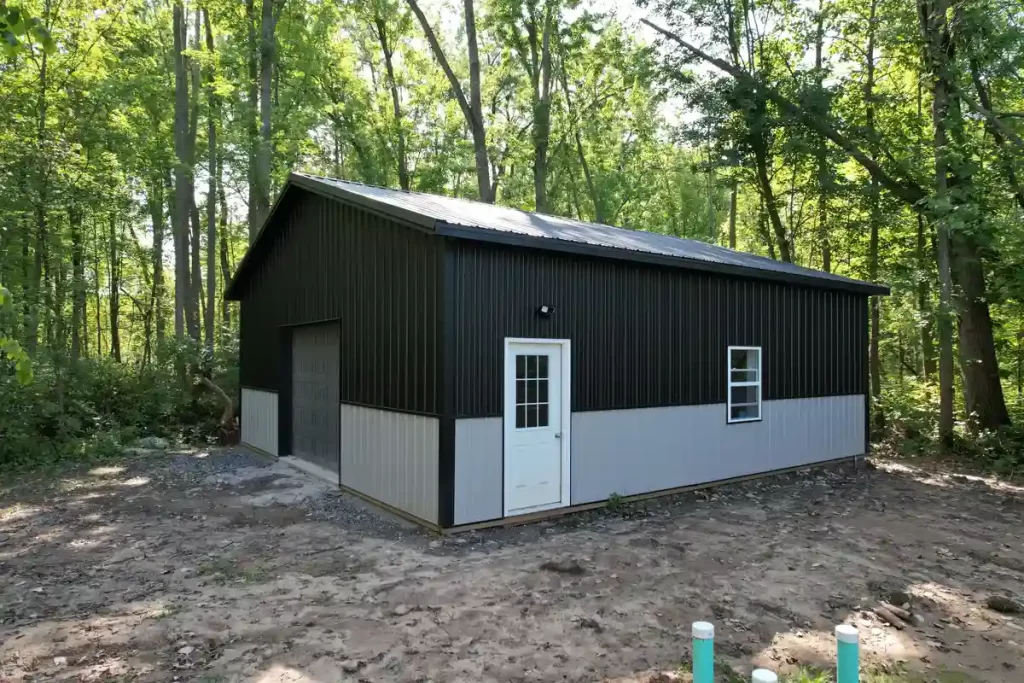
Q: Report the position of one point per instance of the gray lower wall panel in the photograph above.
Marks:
(478, 469)
(628, 452)
(391, 457)
(259, 419)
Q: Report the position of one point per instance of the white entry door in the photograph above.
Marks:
(536, 426)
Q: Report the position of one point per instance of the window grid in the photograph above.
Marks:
(744, 384)
(532, 401)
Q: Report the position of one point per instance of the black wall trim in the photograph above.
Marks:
(284, 395)
(447, 363)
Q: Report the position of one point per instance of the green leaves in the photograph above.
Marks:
(22, 363)
(20, 32)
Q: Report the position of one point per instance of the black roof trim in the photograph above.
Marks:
(593, 250)
(401, 206)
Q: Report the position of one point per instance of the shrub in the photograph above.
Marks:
(95, 407)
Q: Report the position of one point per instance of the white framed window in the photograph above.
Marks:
(744, 382)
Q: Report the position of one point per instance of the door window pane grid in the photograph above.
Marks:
(532, 406)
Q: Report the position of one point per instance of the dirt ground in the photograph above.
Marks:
(223, 567)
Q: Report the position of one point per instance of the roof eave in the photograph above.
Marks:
(582, 248)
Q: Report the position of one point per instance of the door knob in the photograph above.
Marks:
(558, 435)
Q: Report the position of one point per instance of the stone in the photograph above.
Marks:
(60, 661)
(1003, 605)
(351, 666)
(401, 610)
(186, 651)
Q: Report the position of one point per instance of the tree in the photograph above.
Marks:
(472, 107)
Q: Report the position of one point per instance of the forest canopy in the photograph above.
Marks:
(144, 143)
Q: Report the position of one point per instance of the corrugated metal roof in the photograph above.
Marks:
(489, 222)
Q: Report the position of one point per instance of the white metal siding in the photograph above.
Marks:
(478, 473)
(259, 419)
(629, 452)
(391, 457)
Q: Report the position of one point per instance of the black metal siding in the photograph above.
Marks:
(645, 336)
(379, 279)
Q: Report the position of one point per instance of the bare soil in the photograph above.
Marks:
(222, 567)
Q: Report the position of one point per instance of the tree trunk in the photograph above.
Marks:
(822, 148)
(77, 281)
(933, 23)
(542, 116)
(483, 168)
(42, 200)
(251, 117)
(472, 109)
(264, 149)
(212, 116)
(182, 201)
(733, 192)
(225, 267)
(396, 103)
(768, 194)
(114, 295)
(874, 220)
(155, 199)
(195, 270)
(983, 389)
(924, 301)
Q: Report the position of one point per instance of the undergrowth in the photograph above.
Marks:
(909, 429)
(92, 409)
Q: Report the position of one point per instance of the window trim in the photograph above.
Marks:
(730, 383)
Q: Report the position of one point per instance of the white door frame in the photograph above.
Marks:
(508, 391)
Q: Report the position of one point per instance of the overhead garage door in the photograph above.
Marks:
(315, 408)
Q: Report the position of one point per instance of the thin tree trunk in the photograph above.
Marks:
(114, 295)
(212, 116)
(768, 194)
(822, 149)
(472, 108)
(32, 322)
(156, 213)
(77, 281)
(182, 201)
(251, 117)
(874, 219)
(196, 270)
(924, 257)
(396, 103)
(264, 150)
(483, 167)
(542, 113)
(733, 192)
(225, 268)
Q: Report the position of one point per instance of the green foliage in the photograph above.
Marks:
(96, 408)
(19, 31)
(910, 431)
(11, 349)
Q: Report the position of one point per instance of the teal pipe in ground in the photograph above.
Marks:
(848, 657)
(703, 652)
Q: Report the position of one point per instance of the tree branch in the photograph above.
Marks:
(908, 191)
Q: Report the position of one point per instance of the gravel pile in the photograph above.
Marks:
(356, 515)
(202, 464)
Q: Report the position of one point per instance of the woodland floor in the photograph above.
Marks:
(223, 567)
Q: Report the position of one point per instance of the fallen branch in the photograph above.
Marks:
(889, 617)
(898, 611)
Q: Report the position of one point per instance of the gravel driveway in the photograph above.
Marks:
(222, 566)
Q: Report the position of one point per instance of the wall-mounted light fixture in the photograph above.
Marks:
(545, 311)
